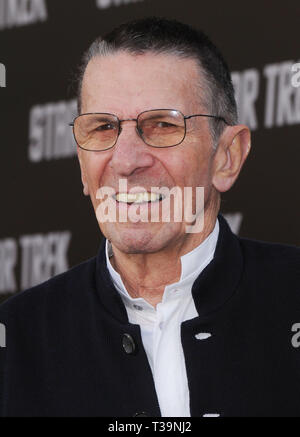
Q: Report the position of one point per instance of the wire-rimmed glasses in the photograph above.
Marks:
(157, 128)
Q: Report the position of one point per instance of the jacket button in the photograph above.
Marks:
(143, 414)
(128, 344)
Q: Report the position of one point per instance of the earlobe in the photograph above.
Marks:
(85, 190)
(85, 185)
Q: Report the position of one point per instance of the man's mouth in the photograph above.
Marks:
(144, 197)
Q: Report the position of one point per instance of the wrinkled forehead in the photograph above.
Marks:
(141, 82)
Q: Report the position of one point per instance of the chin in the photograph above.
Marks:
(139, 239)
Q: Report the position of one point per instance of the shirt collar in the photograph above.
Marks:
(192, 263)
(212, 290)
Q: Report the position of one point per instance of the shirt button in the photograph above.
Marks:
(128, 344)
(161, 325)
(138, 307)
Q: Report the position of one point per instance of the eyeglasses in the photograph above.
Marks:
(157, 127)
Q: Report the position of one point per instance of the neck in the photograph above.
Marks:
(146, 275)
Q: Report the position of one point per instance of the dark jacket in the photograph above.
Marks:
(66, 354)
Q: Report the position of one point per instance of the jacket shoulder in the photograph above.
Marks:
(276, 251)
(278, 260)
(56, 289)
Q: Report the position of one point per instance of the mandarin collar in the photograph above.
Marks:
(211, 289)
(191, 264)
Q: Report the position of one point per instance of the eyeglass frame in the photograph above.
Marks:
(185, 117)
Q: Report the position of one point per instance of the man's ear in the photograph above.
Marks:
(233, 149)
(83, 176)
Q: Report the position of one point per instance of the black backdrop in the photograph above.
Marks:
(47, 225)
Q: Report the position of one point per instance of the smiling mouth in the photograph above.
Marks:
(144, 197)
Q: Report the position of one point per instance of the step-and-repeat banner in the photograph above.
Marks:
(47, 225)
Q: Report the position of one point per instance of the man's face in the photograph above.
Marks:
(126, 85)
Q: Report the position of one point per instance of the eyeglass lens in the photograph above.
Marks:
(158, 128)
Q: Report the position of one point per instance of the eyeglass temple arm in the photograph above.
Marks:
(206, 115)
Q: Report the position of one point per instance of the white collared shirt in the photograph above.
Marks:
(161, 327)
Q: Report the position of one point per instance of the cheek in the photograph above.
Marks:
(195, 168)
(94, 169)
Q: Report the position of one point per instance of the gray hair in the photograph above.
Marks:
(170, 37)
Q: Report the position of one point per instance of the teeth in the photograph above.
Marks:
(137, 197)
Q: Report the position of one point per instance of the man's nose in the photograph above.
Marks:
(130, 152)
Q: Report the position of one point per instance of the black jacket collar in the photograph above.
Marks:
(213, 287)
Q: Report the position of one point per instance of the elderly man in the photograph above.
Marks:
(175, 316)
